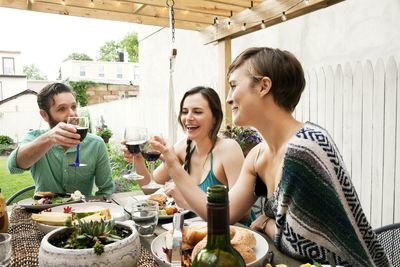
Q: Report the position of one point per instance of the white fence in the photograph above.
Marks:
(359, 105)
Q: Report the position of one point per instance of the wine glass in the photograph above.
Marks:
(135, 139)
(151, 155)
(82, 126)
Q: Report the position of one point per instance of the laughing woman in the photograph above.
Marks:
(312, 211)
(207, 159)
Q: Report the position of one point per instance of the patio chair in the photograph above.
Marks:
(27, 192)
(389, 236)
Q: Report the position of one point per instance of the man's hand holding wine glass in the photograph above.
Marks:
(64, 134)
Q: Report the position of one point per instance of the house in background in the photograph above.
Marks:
(116, 80)
(12, 78)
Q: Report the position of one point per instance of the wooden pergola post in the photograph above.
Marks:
(224, 60)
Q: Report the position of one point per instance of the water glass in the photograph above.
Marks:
(145, 215)
(5, 249)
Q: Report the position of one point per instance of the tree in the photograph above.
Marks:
(131, 45)
(33, 73)
(109, 51)
(78, 56)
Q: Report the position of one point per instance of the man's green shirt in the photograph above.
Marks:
(52, 172)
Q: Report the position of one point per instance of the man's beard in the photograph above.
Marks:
(52, 122)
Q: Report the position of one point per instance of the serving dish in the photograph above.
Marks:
(117, 212)
(260, 249)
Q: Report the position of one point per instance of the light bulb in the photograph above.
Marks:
(63, 2)
(244, 26)
(283, 16)
(91, 2)
(216, 21)
(263, 25)
(119, 3)
(229, 25)
(307, 2)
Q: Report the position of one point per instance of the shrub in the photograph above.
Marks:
(245, 137)
(104, 133)
(6, 140)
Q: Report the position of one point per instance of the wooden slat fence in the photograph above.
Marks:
(359, 105)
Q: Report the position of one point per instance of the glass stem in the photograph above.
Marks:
(151, 171)
(77, 156)
(134, 164)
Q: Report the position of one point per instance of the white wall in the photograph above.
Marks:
(352, 30)
(12, 86)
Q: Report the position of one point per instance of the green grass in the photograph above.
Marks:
(10, 184)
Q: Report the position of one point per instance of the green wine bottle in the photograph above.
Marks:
(218, 251)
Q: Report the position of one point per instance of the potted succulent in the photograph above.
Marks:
(247, 138)
(104, 133)
(91, 244)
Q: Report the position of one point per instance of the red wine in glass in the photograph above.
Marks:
(135, 140)
(135, 146)
(82, 126)
(82, 132)
(151, 156)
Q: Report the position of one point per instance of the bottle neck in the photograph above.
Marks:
(218, 223)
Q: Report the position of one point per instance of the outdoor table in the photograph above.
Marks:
(26, 235)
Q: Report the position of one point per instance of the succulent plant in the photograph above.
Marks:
(92, 234)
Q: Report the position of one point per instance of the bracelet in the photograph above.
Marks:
(265, 223)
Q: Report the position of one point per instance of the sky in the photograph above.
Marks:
(47, 39)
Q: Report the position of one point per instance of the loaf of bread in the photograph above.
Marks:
(243, 237)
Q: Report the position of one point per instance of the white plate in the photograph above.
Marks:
(30, 204)
(117, 212)
(260, 249)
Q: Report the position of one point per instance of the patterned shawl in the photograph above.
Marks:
(318, 213)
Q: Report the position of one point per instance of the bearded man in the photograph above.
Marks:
(48, 153)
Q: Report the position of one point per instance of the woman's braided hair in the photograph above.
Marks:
(215, 105)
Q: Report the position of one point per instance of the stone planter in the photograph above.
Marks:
(121, 253)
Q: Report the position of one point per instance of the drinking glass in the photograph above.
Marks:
(151, 155)
(145, 215)
(82, 126)
(5, 249)
(135, 139)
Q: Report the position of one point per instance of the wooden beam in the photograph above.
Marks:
(269, 11)
(183, 15)
(224, 60)
(93, 12)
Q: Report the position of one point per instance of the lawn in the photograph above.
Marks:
(11, 184)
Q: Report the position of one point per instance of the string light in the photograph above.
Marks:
(63, 2)
(91, 3)
(263, 26)
(284, 18)
(283, 15)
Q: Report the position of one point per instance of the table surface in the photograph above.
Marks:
(128, 197)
